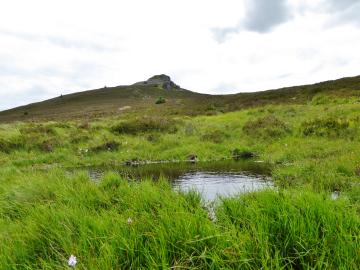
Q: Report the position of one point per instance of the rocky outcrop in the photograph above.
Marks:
(162, 81)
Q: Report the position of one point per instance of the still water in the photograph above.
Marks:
(212, 185)
(210, 179)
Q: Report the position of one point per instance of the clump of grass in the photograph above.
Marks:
(266, 127)
(84, 125)
(41, 142)
(47, 146)
(38, 129)
(292, 230)
(145, 124)
(9, 145)
(327, 127)
(153, 137)
(321, 99)
(42, 137)
(80, 138)
(216, 136)
(190, 129)
(53, 219)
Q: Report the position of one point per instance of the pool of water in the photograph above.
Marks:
(212, 185)
(211, 179)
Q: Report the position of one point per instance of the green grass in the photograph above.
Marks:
(310, 145)
(48, 212)
(45, 217)
(289, 229)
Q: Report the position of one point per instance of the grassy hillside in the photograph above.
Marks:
(310, 136)
(141, 99)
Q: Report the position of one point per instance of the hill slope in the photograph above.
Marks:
(140, 98)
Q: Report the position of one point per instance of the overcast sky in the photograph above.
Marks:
(48, 48)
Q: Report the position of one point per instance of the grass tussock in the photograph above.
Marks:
(328, 127)
(41, 129)
(293, 230)
(266, 127)
(216, 136)
(145, 124)
(9, 145)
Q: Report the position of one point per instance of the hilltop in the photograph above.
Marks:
(164, 81)
(140, 98)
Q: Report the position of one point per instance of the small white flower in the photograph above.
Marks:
(129, 221)
(211, 215)
(72, 261)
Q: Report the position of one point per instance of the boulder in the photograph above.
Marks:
(160, 80)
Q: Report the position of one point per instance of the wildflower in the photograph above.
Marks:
(72, 261)
(211, 215)
(129, 221)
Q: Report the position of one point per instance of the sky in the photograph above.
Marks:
(48, 48)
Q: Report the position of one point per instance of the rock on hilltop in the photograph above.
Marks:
(162, 80)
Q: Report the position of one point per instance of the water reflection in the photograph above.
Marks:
(212, 185)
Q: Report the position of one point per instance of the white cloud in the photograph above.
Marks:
(53, 47)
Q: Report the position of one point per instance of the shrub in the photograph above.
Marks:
(160, 100)
(266, 127)
(145, 124)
